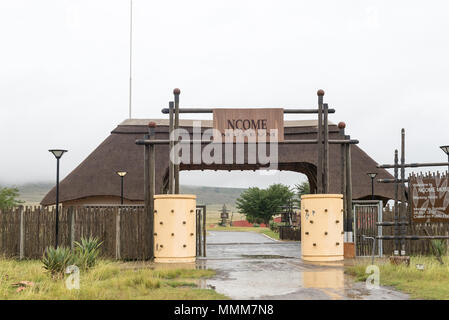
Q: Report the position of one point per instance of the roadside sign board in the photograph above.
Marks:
(429, 198)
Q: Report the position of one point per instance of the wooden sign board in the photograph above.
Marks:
(429, 198)
(254, 122)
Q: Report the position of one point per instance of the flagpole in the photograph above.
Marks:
(130, 54)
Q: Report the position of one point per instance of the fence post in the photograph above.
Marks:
(22, 234)
(117, 234)
(204, 231)
(350, 215)
(319, 175)
(72, 228)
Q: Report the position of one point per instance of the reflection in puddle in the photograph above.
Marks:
(265, 256)
(329, 279)
(174, 266)
(325, 263)
(202, 284)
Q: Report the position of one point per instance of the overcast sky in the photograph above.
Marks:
(64, 72)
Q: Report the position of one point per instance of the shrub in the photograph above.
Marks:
(440, 247)
(57, 260)
(87, 252)
(260, 205)
(84, 256)
(274, 226)
(9, 198)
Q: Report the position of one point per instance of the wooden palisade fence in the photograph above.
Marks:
(413, 247)
(289, 233)
(25, 232)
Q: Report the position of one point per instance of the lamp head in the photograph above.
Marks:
(121, 173)
(57, 152)
(372, 175)
(445, 149)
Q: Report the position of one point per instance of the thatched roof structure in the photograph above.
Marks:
(96, 177)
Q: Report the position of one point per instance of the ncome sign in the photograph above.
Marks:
(250, 124)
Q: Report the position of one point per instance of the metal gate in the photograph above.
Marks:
(366, 214)
(200, 231)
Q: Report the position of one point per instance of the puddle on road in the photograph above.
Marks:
(264, 256)
(330, 279)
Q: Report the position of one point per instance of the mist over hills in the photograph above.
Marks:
(214, 195)
(32, 193)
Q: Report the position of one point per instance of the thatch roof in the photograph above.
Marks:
(96, 176)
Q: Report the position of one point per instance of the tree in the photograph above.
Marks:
(301, 189)
(260, 205)
(8, 198)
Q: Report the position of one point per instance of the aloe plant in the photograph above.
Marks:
(57, 260)
(87, 252)
(440, 247)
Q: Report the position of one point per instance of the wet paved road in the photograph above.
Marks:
(252, 266)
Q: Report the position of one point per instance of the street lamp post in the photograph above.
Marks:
(446, 151)
(122, 174)
(372, 175)
(58, 154)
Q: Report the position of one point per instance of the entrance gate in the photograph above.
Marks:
(321, 141)
(367, 213)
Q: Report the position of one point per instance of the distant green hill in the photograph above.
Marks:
(32, 194)
(214, 195)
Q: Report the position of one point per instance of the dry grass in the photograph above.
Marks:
(431, 283)
(108, 280)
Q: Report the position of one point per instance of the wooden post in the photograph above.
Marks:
(176, 92)
(402, 207)
(152, 185)
(349, 190)
(396, 220)
(146, 171)
(411, 225)
(319, 175)
(117, 233)
(171, 167)
(342, 127)
(146, 189)
(326, 151)
(72, 228)
(22, 234)
(204, 231)
(198, 232)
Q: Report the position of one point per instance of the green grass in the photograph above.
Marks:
(431, 283)
(108, 280)
(270, 233)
